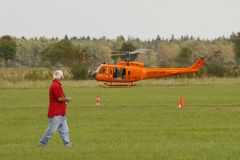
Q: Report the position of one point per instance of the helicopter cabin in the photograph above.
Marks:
(114, 73)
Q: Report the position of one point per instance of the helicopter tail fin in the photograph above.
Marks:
(198, 64)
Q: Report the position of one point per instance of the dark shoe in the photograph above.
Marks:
(41, 145)
(68, 145)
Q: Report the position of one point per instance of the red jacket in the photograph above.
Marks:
(55, 107)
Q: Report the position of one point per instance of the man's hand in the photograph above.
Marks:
(68, 99)
(65, 99)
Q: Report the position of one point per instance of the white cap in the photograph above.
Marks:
(58, 74)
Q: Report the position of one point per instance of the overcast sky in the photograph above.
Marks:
(144, 19)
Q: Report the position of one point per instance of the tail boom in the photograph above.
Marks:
(166, 72)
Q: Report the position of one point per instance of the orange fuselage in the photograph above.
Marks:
(126, 72)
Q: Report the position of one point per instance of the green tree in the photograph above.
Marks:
(65, 53)
(236, 41)
(7, 48)
(117, 44)
(128, 46)
(149, 59)
(80, 63)
(185, 56)
(58, 52)
(79, 71)
(166, 54)
(105, 54)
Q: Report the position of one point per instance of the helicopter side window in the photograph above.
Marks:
(124, 73)
(102, 70)
(115, 72)
(119, 73)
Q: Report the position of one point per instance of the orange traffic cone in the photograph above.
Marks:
(98, 101)
(181, 104)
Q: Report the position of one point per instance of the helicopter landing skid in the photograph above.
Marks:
(110, 85)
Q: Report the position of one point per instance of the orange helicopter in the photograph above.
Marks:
(126, 72)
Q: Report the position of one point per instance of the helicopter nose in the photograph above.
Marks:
(94, 74)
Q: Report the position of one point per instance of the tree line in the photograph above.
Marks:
(82, 55)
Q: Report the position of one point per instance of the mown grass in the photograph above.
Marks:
(139, 123)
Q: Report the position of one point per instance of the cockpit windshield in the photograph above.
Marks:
(102, 70)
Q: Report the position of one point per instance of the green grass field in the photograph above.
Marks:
(141, 123)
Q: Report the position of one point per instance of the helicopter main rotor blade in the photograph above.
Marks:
(139, 51)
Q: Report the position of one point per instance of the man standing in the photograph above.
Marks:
(57, 112)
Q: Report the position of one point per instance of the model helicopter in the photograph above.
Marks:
(127, 72)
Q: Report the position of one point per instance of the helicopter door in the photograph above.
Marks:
(119, 73)
(104, 71)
